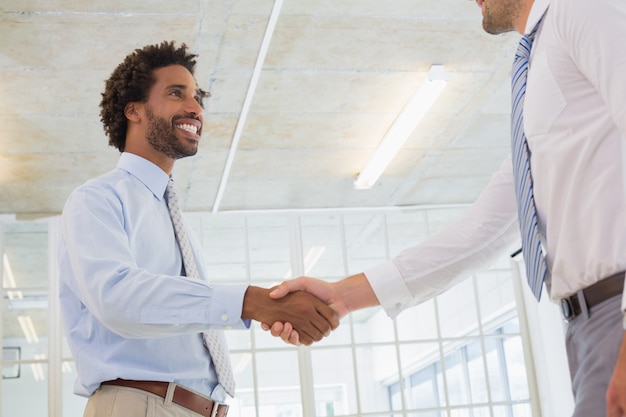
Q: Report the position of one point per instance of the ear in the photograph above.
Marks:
(130, 111)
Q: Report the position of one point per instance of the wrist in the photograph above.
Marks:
(252, 301)
(356, 293)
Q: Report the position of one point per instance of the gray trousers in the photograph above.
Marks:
(593, 340)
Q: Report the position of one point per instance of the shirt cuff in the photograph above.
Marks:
(389, 287)
(227, 305)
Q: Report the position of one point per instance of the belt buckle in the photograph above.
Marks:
(567, 309)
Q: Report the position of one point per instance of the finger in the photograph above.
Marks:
(287, 329)
(308, 331)
(294, 338)
(329, 315)
(614, 408)
(277, 329)
(265, 326)
(305, 339)
(316, 328)
(325, 320)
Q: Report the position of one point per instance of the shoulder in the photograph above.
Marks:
(582, 15)
(110, 187)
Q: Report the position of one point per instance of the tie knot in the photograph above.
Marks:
(523, 48)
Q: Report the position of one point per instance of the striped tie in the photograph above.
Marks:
(213, 339)
(536, 268)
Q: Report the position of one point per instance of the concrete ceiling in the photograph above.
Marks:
(334, 76)
(289, 124)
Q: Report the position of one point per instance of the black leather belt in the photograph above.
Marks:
(593, 295)
(183, 397)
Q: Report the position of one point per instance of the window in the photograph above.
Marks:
(480, 371)
(457, 355)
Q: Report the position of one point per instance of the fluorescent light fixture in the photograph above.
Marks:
(26, 324)
(66, 368)
(403, 126)
(37, 369)
(8, 280)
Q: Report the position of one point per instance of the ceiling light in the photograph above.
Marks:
(403, 126)
(26, 323)
(37, 369)
(8, 280)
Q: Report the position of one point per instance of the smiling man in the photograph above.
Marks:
(142, 321)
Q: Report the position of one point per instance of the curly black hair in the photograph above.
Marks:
(132, 80)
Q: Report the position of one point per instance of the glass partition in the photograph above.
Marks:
(460, 354)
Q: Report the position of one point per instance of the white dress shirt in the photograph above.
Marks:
(575, 123)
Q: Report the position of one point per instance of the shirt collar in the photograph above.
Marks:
(537, 10)
(145, 171)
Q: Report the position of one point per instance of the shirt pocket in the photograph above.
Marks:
(544, 100)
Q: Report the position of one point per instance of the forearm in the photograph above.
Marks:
(356, 292)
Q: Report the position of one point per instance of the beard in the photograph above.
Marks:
(499, 18)
(161, 135)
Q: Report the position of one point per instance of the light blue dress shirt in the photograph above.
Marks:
(127, 311)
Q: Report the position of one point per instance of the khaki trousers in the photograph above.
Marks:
(114, 401)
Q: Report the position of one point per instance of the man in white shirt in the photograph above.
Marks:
(575, 125)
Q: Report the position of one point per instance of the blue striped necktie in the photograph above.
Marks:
(536, 268)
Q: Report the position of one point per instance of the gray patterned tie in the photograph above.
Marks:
(214, 339)
(536, 268)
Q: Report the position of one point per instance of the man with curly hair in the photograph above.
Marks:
(136, 311)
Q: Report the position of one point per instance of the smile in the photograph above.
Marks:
(188, 128)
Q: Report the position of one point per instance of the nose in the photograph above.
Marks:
(193, 107)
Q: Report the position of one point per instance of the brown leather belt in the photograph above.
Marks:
(183, 397)
(593, 295)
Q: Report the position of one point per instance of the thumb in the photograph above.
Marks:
(613, 411)
(286, 287)
(280, 291)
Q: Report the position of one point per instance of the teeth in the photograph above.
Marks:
(188, 128)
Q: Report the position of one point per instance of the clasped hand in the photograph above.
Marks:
(289, 331)
(310, 318)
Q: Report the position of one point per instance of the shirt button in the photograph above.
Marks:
(228, 327)
(224, 317)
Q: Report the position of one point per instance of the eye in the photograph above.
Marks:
(175, 93)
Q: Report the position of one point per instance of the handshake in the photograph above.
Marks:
(304, 310)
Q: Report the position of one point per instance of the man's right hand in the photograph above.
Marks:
(344, 296)
(310, 317)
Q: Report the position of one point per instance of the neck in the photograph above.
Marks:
(147, 152)
(520, 23)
